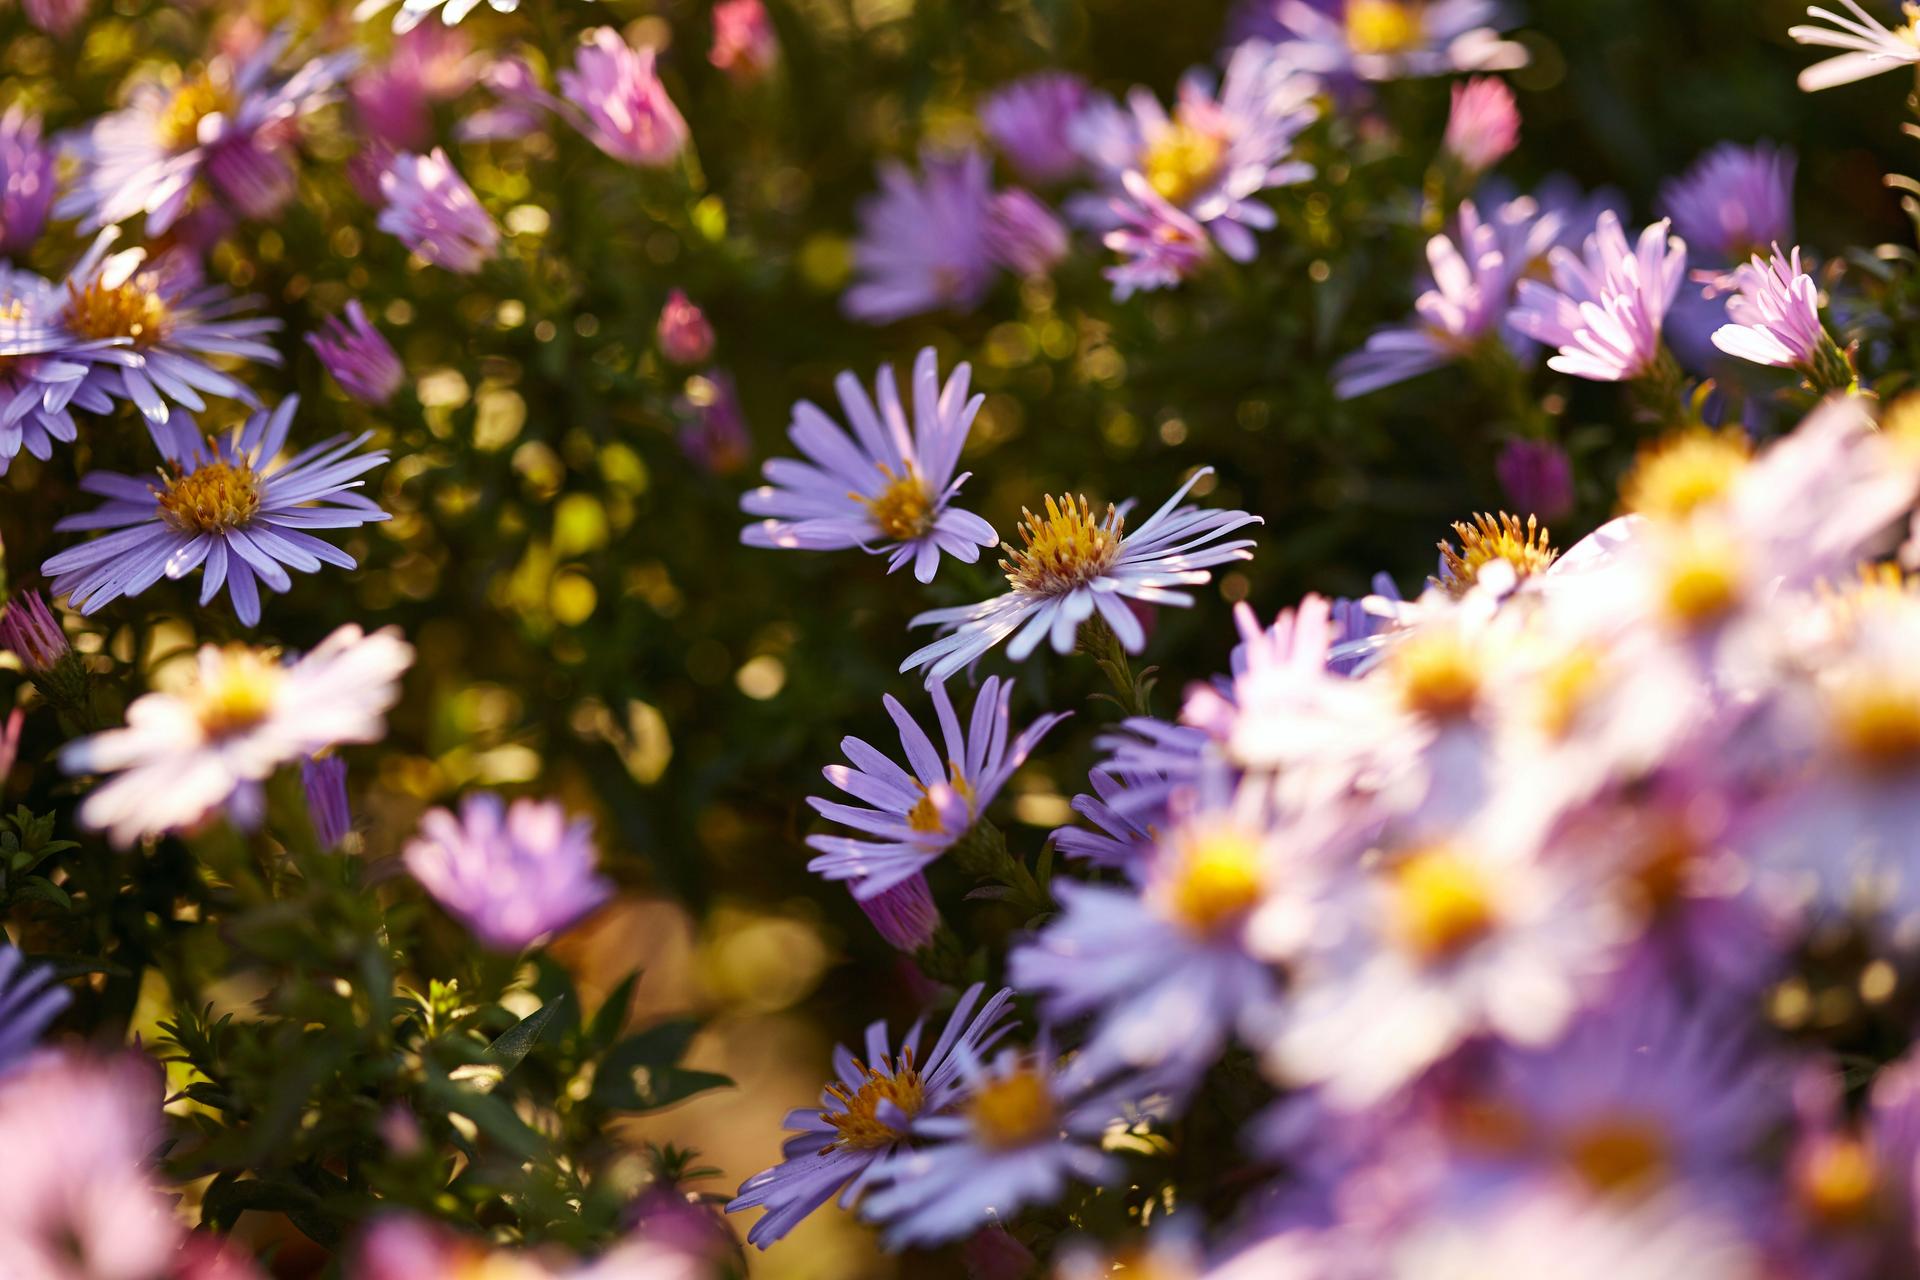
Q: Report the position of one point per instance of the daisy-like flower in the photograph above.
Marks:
(510, 874)
(865, 1118)
(1606, 305)
(1395, 39)
(886, 487)
(26, 181)
(910, 818)
(1483, 127)
(431, 209)
(628, 113)
(225, 131)
(360, 359)
(1474, 275)
(29, 1000)
(1734, 202)
(1774, 320)
(245, 715)
(235, 506)
(46, 368)
(1019, 1132)
(1031, 122)
(1073, 566)
(1871, 47)
(1159, 246)
(925, 243)
(175, 324)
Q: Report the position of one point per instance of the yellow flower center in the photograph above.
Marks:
(1617, 1153)
(1677, 476)
(924, 817)
(1183, 160)
(1384, 26)
(1441, 904)
(858, 1120)
(218, 497)
(1438, 674)
(240, 694)
(1701, 578)
(1489, 538)
(1565, 688)
(129, 310)
(1013, 1111)
(1066, 549)
(1841, 1182)
(1877, 721)
(1216, 879)
(903, 510)
(192, 102)
(1910, 30)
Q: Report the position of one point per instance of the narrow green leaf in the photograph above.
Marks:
(511, 1049)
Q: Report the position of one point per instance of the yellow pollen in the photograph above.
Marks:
(1384, 26)
(1565, 688)
(1877, 721)
(1841, 1182)
(1216, 879)
(1066, 549)
(924, 817)
(1013, 1111)
(1182, 161)
(1441, 904)
(858, 1120)
(218, 497)
(1677, 476)
(1438, 674)
(1910, 32)
(129, 310)
(1618, 1153)
(1490, 538)
(192, 102)
(1702, 582)
(903, 509)
(240, 694)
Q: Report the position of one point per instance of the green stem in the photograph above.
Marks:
(1097, 640)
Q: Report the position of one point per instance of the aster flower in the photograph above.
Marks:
(1123, 836)
(26, 181)
(683, 332)
(1734, 202)
(431, 209)
(1031, 122)
(510, 874)
(1024, 234)
(629, 115)
(1871, 47)
(1395, 39)
(865, 1119)
(914, 817)
(236, 507)
(924, 243)
(1775, 320)
(1605, 306)
(223, 131)
(905, 915)
(246, 714)
(745, 45)
(1483, 126)
(324, 779)
(360, 359)
(394, 100)
(1159, 246)
(1470, 302)
(29, 1000)
(1074, 566)
(46, 368)
(887, 485)
(176, 325)
(1018, 1133)
(32, 634)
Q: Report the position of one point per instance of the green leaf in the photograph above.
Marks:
(492, 1116)
(611, 1016)
(643, 1072)
(44, 890)
(511, 1049)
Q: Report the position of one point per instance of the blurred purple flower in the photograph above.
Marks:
(358, 357)
(1483, 127)
(745, 45)
(56, 17)
(26, 181)
(1159, 246)
(684, 335)
(1025, 235)
(324, 779)
(1606, 305)
(714, 435)
(29, 999)
(1734, 202)
(29, 630)
(1031, 122)
(510, 874)
(629, 115)
(520, 104)
(394, 100)
(1393, 39)
(1537, 477)
(926, 244)
(433, 211)
(905, 915)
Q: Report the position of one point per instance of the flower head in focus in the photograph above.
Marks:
(46, 369)
(1870, 46)
(887, 485)
(1774, 318)
(628, 113)
(1031, 123)
(358, 356)
(925, 243)
(1605, 307)
(431, 209)
(246, 714)
(510, 873)
(1734, 202)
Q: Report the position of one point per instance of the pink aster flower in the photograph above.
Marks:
(1025, 235)
(1484, 125)
(359, 358)
(510, 874)
(629, 115)
(394, 100)
(1775, 320)
(1606, 305)
(433, 211)
(685, 336)
(925, 243)
(745, 45)
(1159, 246)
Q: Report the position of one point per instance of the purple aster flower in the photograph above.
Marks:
(1470, 302)
(431, 209)
(1124, 834)
(629, 115)
(26, 181)
(29, 1000)
(745, 45)
(1870, 46)
(46, 368)
(683, 332)
(1537, 477)
(714, 433)
(1025, 235)
(908, 819)
(1395, 39)
(32, 634)
(358, 357)
(1606, 305)
(886, 486)
(176, 325)
(1734, 202)
(865, 1119)
(234, 506)
(227, 129)
(1775, 320)
(56, 17)
(1159, 246)
(324, 779)
(394, 100)
(1074, 566)
(905, 915)
(925, 244)
(510, 874)
(1031, 122)
(1017, 1134)
(1483, 127)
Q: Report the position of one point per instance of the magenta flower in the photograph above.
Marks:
(26, 181)
(683, 332)
(1159, 245)
(30, 632)
(1031, 122)
(433, 211)
(905, 915)
(1537, 477)
(1775, 319)
(1484, 125)
(629, 115)
(394, 100)
(1734, 202)
(358, 357)
(745, 45)
(56, 17)
(511, 875)
(925, 244)
(1025, 235)
(1606, 305)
